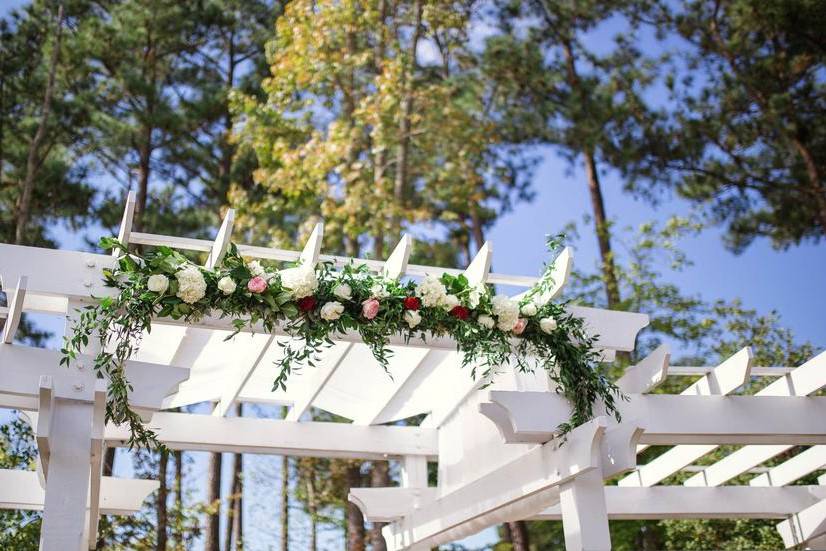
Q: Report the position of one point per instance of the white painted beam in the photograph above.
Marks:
(187, 431)
(126, 222)
(22, 366)
(320, 377)
(312, 248)
(390, 504)
(44, 424)
(520, 488)
(219, 247)
(396, 264)
(96, 460)
(670, 419)
(15, 310)
(678, 502)
(118, 496)
(802, 464)
(479, 268)
(584, 514)
(648, 373)
(233, 388)
(803, 381)
(722, 380)
(559, 273)
(805, 526)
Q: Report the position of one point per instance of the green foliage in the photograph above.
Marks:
(19, 530)
(743, 137)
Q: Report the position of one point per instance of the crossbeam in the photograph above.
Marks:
(677, 502)
(118, 496)
(670, 419)
(194, 432)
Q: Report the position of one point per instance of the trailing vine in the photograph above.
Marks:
(313, 305)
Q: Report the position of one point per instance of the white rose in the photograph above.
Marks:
(486, 321)
(226, 285)
(191, 284)
(475, 295)
(158, 283)
(412, 317)
(256, 269)
(378, 290)
(547, 324)
(450, 302)
(331, 311)
(528, 309)
(300, 281)
(343, 291)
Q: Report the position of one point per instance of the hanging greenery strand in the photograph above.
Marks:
(315, 304)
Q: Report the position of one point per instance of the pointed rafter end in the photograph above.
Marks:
(312, 249)
(15, 310)
(479, 269)
(221, 244)
(126, 222)
(396, 264)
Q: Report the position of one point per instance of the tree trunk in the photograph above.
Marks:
(285, 497)
(403, 149)
(144, 169)
(609, 272)
(519, 535)
(355, 520)
(235, 524)
(379, 478)
(312, 507)
(32, 161)
(177, 529)
(160, 541)
(212, 528)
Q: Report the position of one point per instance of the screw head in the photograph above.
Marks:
(90, 263)
(87, 283)
(78, 387)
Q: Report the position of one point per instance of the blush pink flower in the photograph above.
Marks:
(521, 323)
(369, 308)
(257, 285)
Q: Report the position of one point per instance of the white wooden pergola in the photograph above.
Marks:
(498, 458)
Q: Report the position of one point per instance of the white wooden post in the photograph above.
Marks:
(67, 484)
(584, 514)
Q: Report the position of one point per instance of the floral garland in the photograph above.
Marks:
(314, 304)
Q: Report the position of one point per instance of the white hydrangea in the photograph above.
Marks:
(450, 302)
(191, 284)
(158, 283)
(331, 311)
(300, 281)
(486, 321)
(343, 291)
(379, 290)
(547, 324)
(475, 295)
(226, 285)
(506, 312)
(528, 309)
(412, 317)
(431, 291)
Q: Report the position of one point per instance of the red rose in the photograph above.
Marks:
(460, 312)
(412, 303)
(306, 304)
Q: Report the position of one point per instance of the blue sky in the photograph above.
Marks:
(790, 282)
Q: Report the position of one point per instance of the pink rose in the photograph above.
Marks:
(369, 308)
(521, 323)
(257, 285)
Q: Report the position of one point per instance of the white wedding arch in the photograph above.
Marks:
(498, 458)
